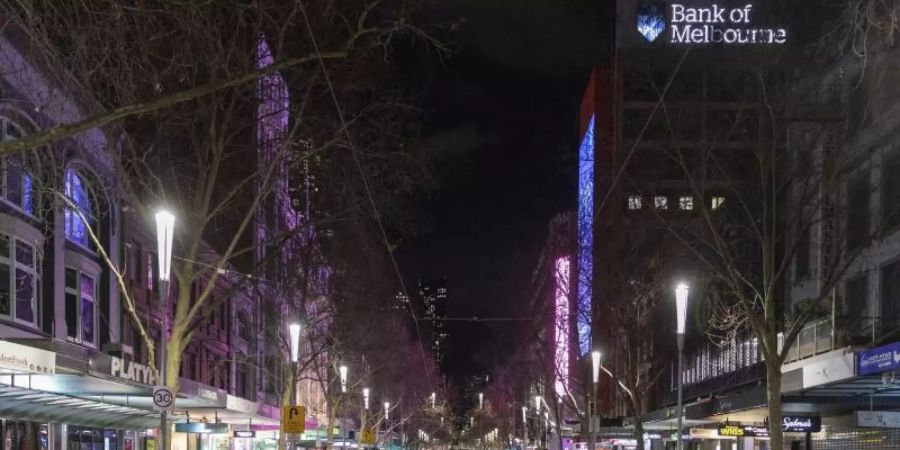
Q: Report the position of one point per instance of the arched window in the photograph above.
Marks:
(18, 182)
(79, 193)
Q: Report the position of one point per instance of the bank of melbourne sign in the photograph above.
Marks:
(878, 359)
(709, 24)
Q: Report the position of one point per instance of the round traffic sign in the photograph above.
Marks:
(163, 397)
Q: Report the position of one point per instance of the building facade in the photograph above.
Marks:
(75, 370)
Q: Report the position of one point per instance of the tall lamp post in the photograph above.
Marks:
(165, 225)
(294, 332)
(595, 378)
(524, 427)
(540, 427)
(681, 303)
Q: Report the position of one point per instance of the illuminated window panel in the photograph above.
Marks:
(661, 202)
(686, 203)
(635, 202)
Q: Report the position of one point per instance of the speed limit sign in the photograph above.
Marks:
(163, 398)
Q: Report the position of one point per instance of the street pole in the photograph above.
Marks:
(165, 224)
(680, 383)
(163, 416)
(681, 300)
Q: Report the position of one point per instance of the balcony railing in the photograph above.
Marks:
(825, 335)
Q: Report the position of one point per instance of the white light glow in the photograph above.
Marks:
(480, 400)
(387, 411)
(366, 398)
(165, 225)
(681, 304)
(294, 332)
(596, 357)
(343, 371)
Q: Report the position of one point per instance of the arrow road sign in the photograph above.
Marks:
(293, 419)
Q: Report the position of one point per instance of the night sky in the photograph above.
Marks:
(501, 133)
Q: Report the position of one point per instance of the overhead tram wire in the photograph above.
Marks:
(362, 174)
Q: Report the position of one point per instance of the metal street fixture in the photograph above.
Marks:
(480, 400)
(596, 357)
(366, 398)
(165, 227)
(343, 371)
(681, 304)
(387, 411)
(433, 400)
(294, 332)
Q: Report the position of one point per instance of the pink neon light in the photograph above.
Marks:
(562, 324)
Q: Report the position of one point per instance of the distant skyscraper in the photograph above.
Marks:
(434, 298)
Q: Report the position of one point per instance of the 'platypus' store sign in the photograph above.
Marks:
(718, 24)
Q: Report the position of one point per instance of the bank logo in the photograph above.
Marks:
(651, 21)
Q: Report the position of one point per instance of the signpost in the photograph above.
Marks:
(368, 436)
(163, 398)
(293, 419)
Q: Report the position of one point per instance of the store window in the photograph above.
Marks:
(19, 280)
(81, 306)
(79, 194)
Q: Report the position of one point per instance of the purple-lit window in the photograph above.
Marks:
(19, 294)
(18, 185)
(151, 270)
(79, 194)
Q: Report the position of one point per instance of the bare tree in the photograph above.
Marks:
(748, 212)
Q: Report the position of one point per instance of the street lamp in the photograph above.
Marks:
(433, 400)
(366, 398)
(480, 400)
(681, 303)
(524, 427)
(343, 371)
(165, 226)
(294, 332)
(596, 357)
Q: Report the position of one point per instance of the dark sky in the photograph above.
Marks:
(501, 132)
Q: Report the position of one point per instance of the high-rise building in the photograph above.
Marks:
(434, 299)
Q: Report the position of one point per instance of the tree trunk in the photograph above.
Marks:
(773, 394)
(639, 430)
(173, 363)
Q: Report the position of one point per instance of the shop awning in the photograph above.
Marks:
(29, 404)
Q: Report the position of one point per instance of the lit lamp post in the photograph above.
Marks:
(433, 400)
(343, 371)
(537, 409)
(294, 332)
(596, 357)
(480, 400)
(165, 225)
(681, 303)
(366, 398)
(524, 427)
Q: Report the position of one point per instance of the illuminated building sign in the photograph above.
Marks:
(244, 434)
(720, 25)
(708, 24)
(801, 424)
(743, 431)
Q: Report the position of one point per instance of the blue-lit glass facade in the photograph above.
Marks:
(585, 237)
